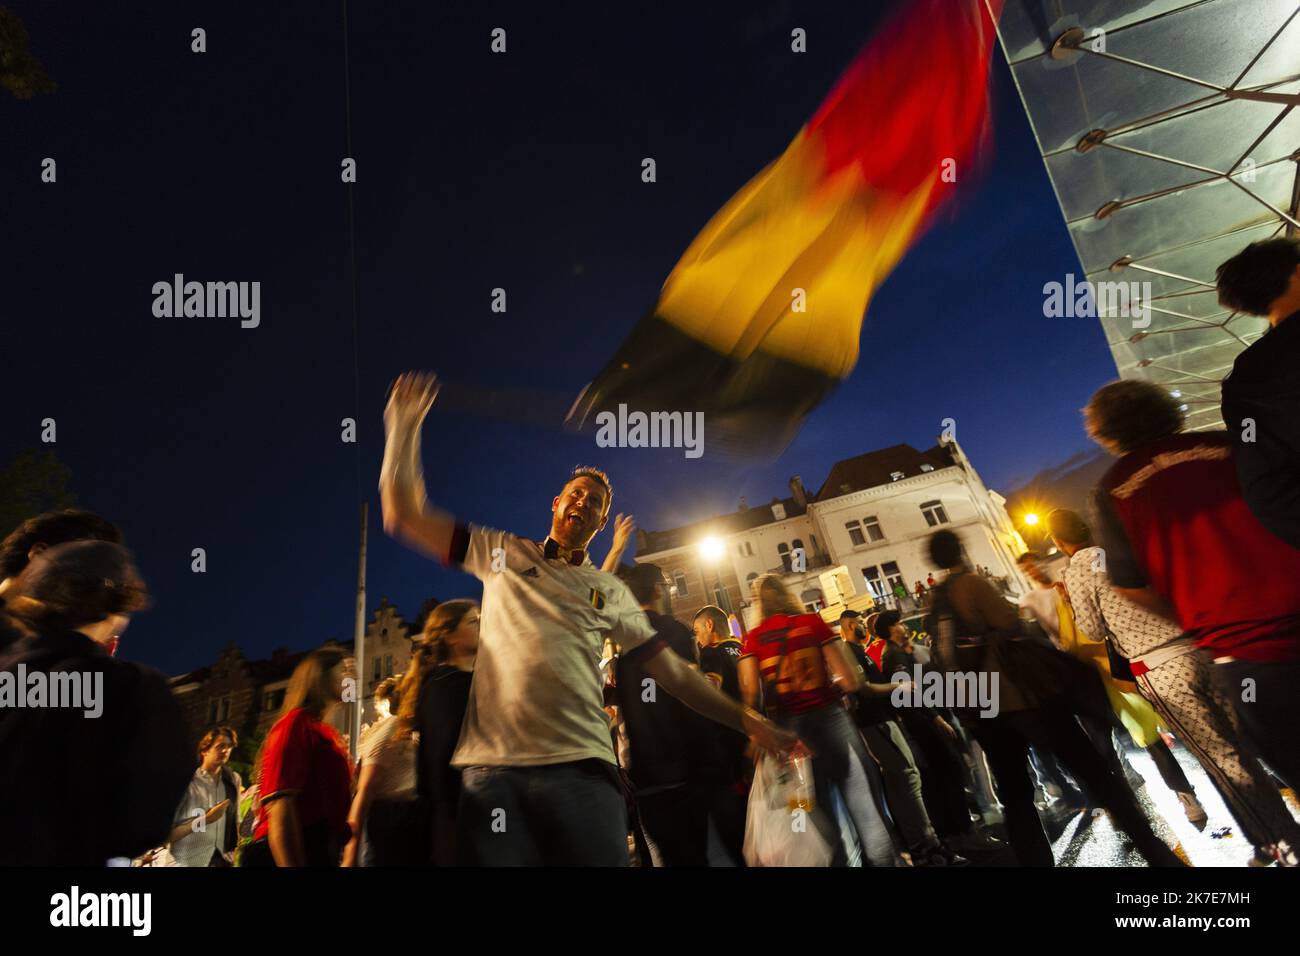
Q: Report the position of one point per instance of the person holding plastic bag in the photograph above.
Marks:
(790, 663)
(783, 825)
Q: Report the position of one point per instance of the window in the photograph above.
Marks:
(751, 577)
(813, 538)
(855, 533)
(749, 549)
(893, 576)
(212, 712)
(812, 600)
(679, 581)
(379, 669)
(720, 597)
(225, 709)
(740, 549)
(873, 528)
(895, 475)
(934, 513)
(927, 467)
(874, 584)
(783, 550)
(274, 700)
(388, 665)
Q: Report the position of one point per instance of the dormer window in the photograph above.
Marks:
(927, 467)
(895, 475)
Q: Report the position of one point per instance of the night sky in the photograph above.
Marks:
(475, 171)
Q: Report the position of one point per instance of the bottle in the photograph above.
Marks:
(802, 794)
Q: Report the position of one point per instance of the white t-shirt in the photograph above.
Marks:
(393, 759)
(537, 696)
(1041, 602)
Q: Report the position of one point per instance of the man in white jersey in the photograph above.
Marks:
(538, 767)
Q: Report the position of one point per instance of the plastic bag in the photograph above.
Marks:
(778, 830)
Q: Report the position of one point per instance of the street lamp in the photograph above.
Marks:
(711, 551)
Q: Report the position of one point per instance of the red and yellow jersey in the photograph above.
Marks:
(789, 653)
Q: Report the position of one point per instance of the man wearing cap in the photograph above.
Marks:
(540, 783)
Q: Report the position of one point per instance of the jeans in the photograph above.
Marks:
(841, 763)
(564, 814)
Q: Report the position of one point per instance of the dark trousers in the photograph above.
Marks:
(1006, 739)
(565, 814)
(942, 775)
(727, 806)
(396, 834)
(676, 822)
(1270, 713)
(887, 744)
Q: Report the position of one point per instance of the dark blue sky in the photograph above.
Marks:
(476, 171)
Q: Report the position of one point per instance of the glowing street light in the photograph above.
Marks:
(1031, 519)
(712, 549)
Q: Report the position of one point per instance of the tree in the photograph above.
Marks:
(33, 482)
(20, 72)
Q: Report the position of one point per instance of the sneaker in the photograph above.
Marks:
(1196, 814)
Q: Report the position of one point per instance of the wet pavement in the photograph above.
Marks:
(1080, 839)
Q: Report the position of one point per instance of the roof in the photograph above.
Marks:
(1169, 134)
(878, 467)
(724, 524)
(865, 471)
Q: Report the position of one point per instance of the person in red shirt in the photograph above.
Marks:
(1180, 540)
(798, 668)
(303, 773)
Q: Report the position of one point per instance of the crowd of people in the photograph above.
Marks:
(570, 719)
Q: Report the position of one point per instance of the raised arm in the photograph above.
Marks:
(407, 512)
(624, 525)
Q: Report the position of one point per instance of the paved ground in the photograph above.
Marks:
(1084, 840)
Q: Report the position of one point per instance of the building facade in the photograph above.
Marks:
(863, 533)
(248, 694)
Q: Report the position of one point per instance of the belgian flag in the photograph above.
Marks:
(761, 317)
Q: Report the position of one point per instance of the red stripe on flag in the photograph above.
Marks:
(915, 96)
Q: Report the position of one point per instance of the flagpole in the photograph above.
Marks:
(359, 635)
